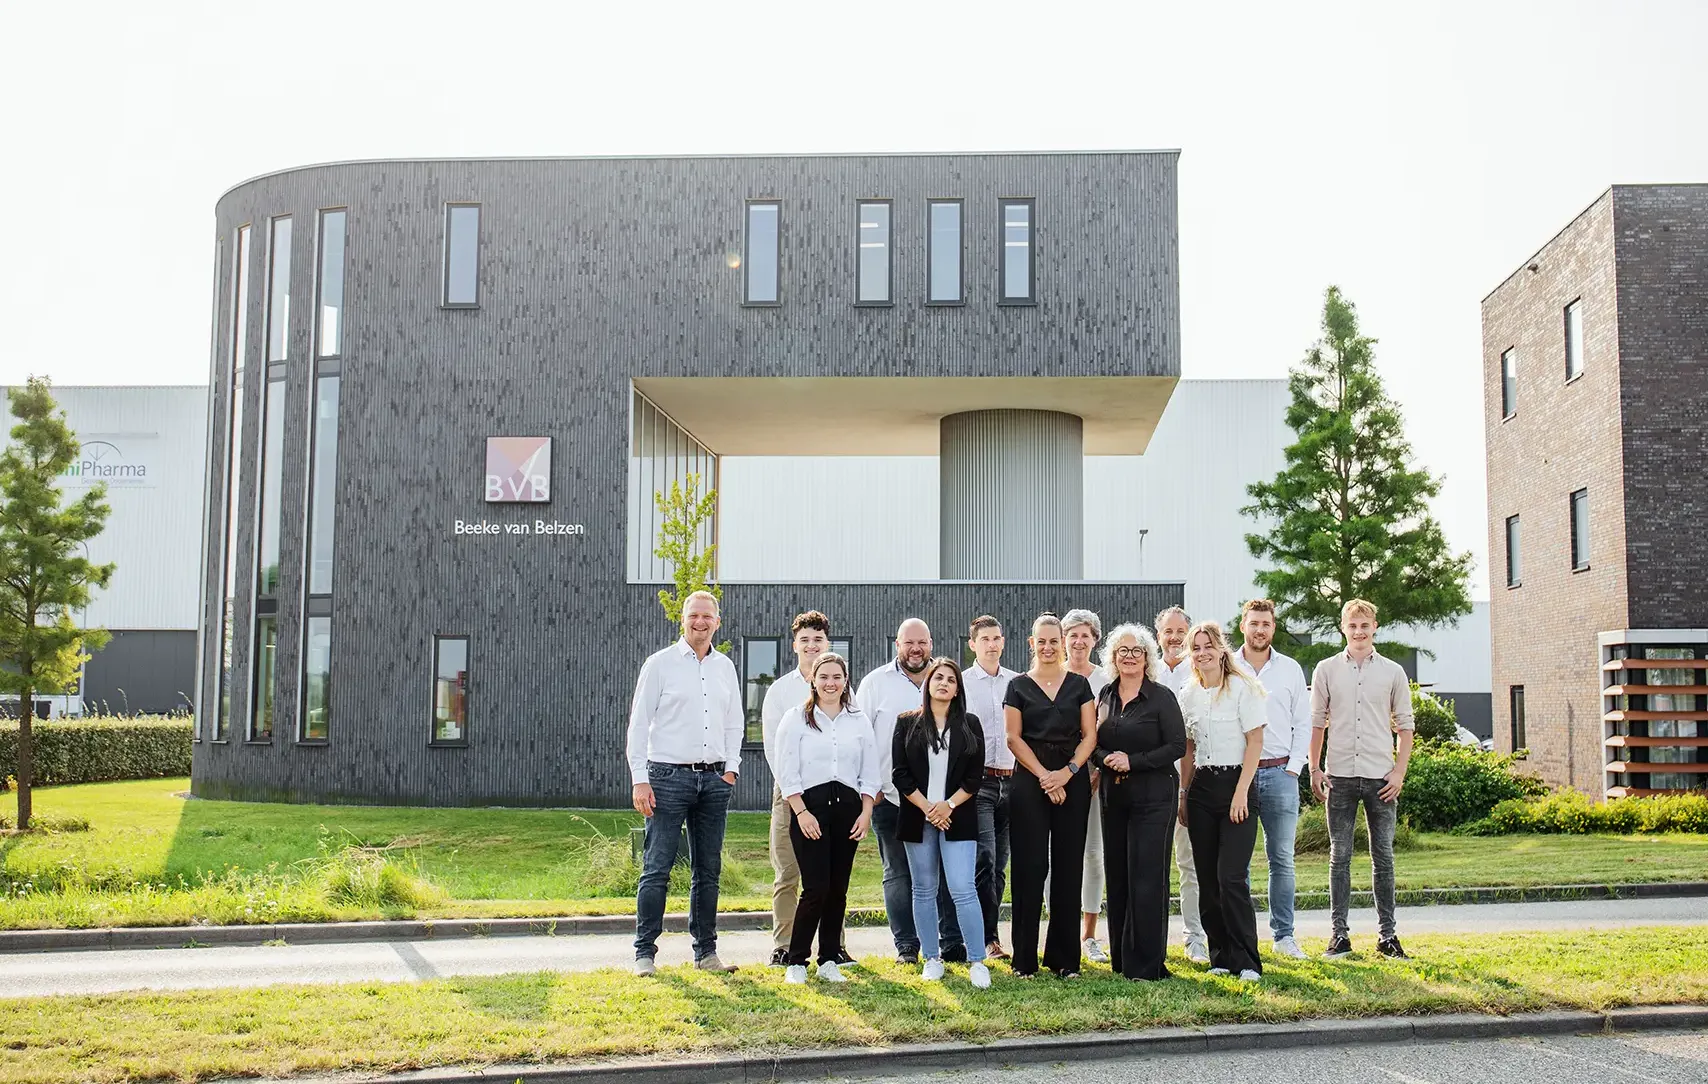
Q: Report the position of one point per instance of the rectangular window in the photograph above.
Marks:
(462, 255)
(233, 474)
(330, 311)
(760, 656)
(1513, 573)
(845, 648)
(943, 252)
(450, 690)
(1509, 383)
(266, 658)
(279, 290)
(1574, 339)
(1516, 695)
(1017, 252)
(316, 680)
(873, 238)
(322, 484)
(272, 477)
(760, 253)
(1580, 530)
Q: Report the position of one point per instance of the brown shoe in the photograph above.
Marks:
(710, 962)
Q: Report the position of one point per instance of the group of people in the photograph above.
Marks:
(1075, 778)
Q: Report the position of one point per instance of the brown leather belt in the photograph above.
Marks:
(1273, 762)
(999, 773)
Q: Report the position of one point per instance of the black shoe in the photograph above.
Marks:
(1067, 973)
(1390, 946)
(843, 959)
(911, 959)
(1340, 946)
(780, 957)
(955, 955)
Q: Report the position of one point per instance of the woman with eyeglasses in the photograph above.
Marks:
(1140, 734)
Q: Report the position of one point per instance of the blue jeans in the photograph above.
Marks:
(898, 886)
(701, 799)
(958, 859)
(1278, 810)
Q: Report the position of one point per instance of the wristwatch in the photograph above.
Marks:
(1073, 767)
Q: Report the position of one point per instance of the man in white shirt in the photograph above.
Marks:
(987, 686)
(810, 633)
(1286, 748)
(884, 693)
(684, 750)
(1172, 625)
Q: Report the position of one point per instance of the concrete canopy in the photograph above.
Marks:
(896, 415)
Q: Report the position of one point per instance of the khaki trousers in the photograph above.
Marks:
(786, 886)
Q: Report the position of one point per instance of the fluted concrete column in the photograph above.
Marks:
(1011, 495)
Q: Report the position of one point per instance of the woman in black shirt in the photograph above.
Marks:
(1140, 734)
(1052, 728)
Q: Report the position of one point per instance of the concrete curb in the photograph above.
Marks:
(1009, 1053)
(305, 933)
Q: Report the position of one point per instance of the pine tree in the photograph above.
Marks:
(1348, 516)
(45, 576)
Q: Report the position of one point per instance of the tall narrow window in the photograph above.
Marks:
(874, 253)
(317, 680)
(462, 255)
(1574, 339)
(760, 656)
(1516, 695)
(1580, 530)
(1017, 252)
(330, 311)
(1514, 575)
(450, 691)
(1509, 382)
(266, 675)
(272, 488)
(233, 474)
(760, 253)
(279, 291)
(943, 253)
(322, 482)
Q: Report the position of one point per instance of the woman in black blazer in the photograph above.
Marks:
(1140, 734)
(938, 754)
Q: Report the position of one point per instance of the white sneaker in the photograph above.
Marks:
(829, 972)
(1094, 951)
(1288, 947)
(1197, 951)
(796, 975)
(1250, 976)
(1220, 971)
(933, 970)
(979, 975)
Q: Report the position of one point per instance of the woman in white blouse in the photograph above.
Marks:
(1225, 714)
(827, 769)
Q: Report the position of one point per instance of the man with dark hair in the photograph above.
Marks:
(810, 635)
(986, 682)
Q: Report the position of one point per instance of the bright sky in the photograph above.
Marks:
(1412, 156)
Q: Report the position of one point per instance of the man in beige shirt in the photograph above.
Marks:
(1358, 700)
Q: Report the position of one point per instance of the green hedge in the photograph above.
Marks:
(1448, 784)
(98, 749)
(1571, 812)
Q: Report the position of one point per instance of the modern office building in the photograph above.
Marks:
(446, 392)
(1595, 362)
(145, 445)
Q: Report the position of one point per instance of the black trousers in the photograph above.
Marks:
(1046, 837)
(1138, 838)
(825, 865)
(1222, 853)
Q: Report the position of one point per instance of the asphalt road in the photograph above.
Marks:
(102, 971)
(1656, 1057)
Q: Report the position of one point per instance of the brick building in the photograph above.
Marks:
(1595, 391)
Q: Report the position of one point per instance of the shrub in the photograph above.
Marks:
(1572, 812)
(1312, 836)
(101, 749)
(1435, 719)
(1448, 784)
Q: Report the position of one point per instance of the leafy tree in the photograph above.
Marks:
(1435, 718)
(684, 519)
(44, 578)
(1348, 516)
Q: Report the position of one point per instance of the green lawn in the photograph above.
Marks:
(151, 857)
(200, 1035)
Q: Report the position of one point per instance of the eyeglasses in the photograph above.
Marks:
(1129, 653)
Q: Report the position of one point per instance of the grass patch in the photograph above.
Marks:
(137, 853)
(198, 1035)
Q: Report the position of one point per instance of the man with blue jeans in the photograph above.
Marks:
(1286, 748)
(684, 751)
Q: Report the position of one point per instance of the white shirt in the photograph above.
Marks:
(985, 693)
(884, 694)
(841, 750)
(1096, 680)
(1176, 676)
(1217, 720)
(1288, 733)
(937, 772)
(686, 710)
(788, 691)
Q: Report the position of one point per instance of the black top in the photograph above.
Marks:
(1150, 730)
(909, 749)
(1046, 721)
